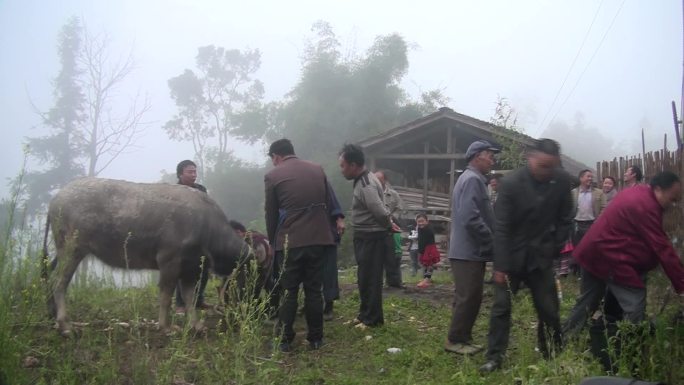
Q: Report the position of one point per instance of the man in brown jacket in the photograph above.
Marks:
(589, 203)
(297, 221)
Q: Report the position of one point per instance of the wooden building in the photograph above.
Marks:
(423, 158)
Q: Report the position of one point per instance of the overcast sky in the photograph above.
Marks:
(628, 70)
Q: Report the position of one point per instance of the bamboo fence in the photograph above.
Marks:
(650, 163)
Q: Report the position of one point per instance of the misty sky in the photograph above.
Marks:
(473, 50)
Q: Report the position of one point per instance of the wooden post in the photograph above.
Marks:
(643, 151)
(426, 147)
(676, 125)
(452, 163)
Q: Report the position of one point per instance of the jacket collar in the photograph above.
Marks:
(478, 173)
(358, 177)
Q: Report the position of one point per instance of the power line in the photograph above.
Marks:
(589, 62)
(567, 75)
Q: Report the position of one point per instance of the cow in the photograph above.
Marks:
(175, 229)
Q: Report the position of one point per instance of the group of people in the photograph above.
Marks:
(535, 215)
(519, 222)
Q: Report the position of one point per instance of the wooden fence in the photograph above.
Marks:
(650, 164)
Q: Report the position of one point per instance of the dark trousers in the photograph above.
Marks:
(621, 302)
(302, 265)
(331, 287)
(370, 250)
(468, 285)
(392, 265)
(542, 285)
(414, 261)
(199, 290)
(580, 229)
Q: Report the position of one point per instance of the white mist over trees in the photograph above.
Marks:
(337, 99)
(87, 133)
(221, 101)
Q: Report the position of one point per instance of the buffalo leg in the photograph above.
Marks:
(188, 293)
(65, 272)
(167, 283)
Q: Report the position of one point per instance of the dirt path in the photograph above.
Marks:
(438, 294)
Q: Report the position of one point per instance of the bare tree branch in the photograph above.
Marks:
(104, 138)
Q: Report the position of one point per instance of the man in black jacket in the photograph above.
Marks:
(186, 171)
(533, 217)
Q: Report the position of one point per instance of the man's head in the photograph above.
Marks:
(608, 184)
(381, 177)
(480, 155)
(585, 179)
(186, 171)
(633, 175)
(280, 149)
(238, 227)
(543, 158)
(421, 220)
(667, 188)
(494, 181)
(352, 161)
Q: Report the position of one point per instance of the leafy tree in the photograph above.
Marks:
(512, 153)
(238, 188)
(222, 100)
(59, 148)
(342, 99)
(86, 134)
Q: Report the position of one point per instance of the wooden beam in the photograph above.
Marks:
(420, 156)
(426, 146)
(452, 164)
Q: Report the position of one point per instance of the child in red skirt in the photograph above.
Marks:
(427, 249)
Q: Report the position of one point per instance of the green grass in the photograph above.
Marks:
(118, 342)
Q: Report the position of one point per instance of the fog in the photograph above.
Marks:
(627, 59)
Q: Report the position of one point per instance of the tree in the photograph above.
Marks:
(58, 149)
(106, 135)
(87, 135)
(340, 100)
(238, 188)
(222, 101)
(512, 153)
(582, 142)
(346, 98)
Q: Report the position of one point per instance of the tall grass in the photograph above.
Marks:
(116, 339)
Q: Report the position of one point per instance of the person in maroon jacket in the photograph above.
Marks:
(626, 242)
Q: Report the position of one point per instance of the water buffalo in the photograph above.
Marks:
(164, 227)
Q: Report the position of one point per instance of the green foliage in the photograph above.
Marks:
(59, 149)
(512, 154)
(85, 136)
(342, 99)
(222, 100)
(238, 188)
(117, 341)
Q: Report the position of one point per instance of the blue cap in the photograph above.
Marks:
(477, 147)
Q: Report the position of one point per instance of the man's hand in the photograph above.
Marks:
(500, 278)
(395, 228)
(340, 226)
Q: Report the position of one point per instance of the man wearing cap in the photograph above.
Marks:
(470, 245)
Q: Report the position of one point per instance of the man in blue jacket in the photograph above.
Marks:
(470, 245)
